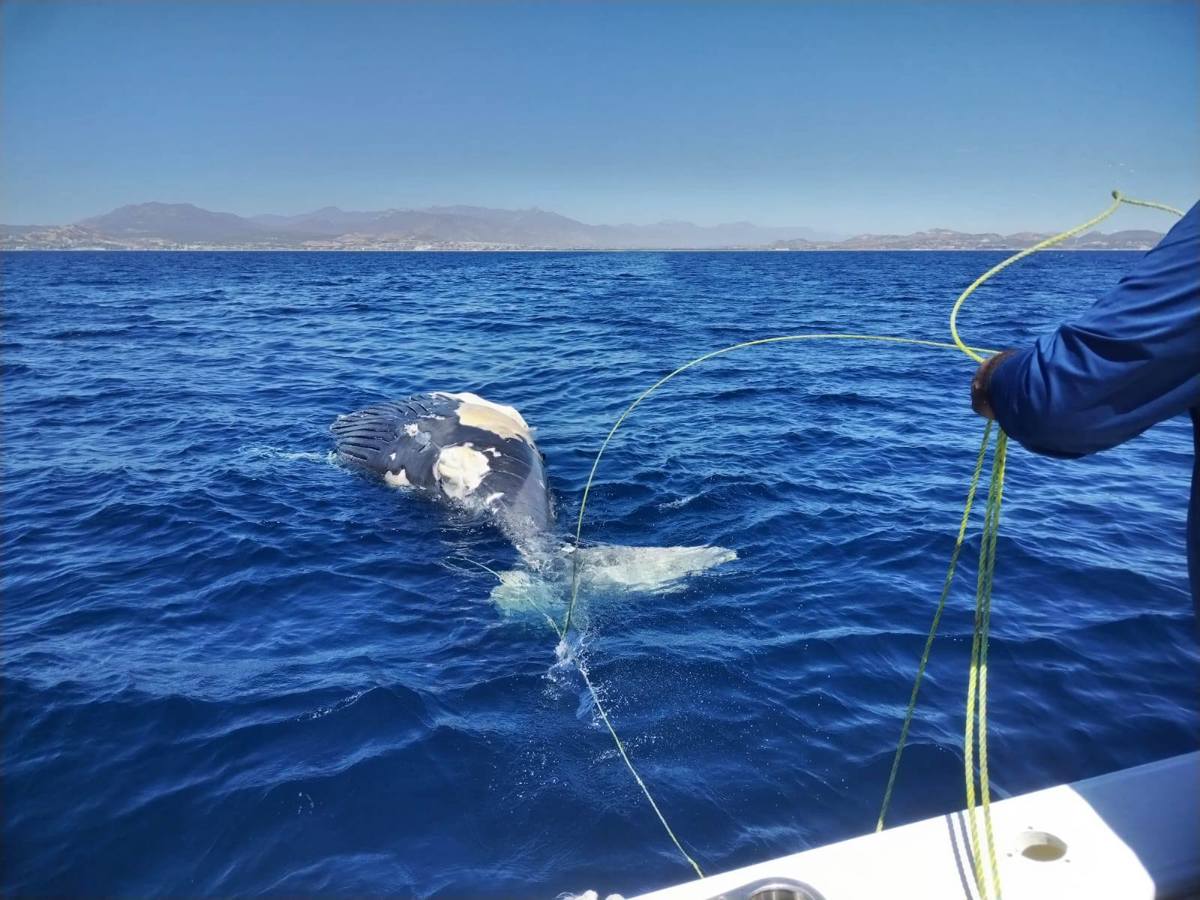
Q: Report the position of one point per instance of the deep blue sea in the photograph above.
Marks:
(232, 667)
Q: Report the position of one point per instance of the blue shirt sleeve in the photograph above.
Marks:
(1130, 361)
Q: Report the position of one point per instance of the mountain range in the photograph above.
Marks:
(182, 226)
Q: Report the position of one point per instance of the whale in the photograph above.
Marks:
(481, 456)
(456, 447)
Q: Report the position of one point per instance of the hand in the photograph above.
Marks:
(982, 381)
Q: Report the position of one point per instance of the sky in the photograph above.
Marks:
(848, 118)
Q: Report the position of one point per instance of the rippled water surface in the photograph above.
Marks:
(232, 667)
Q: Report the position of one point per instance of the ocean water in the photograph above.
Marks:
(232, 667)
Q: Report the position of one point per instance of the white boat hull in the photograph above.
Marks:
(1129, 835)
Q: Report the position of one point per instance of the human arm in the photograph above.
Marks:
(1130, 361)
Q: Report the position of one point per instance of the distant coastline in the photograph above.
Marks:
(182, 227)
(535, 250)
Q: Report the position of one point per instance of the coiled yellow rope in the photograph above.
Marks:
(977, 678)
(976, 705)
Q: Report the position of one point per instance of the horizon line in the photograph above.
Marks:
(330, 207)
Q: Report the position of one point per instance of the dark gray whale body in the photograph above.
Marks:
(457, 446)
(481, 455)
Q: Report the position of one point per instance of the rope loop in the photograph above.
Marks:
(975, 732)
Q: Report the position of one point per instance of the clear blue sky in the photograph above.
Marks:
(847, 117)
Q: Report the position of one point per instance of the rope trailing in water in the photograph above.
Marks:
(977, 680)
(562, 640)
(563, 630)
(787, 338)
(638, 778)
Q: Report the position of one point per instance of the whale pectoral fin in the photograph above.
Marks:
(365, 438)
(606, 571)
(649, 570)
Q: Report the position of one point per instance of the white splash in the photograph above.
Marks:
(679, 503)
(279, 453)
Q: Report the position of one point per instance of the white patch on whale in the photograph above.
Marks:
(411, 429)
(504, 421)
(397, 479)
(459, 470)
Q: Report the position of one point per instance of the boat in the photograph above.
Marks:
(1133, 834)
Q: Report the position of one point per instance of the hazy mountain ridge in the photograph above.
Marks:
(183, 226)
(945, 239)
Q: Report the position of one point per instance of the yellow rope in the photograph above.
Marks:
(587, 490)
(629, 764)
(937, 617)
(1118, 199)
(1149, 204)
(563, 630)
(998, 468)
(562, 637)
(977, 679)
